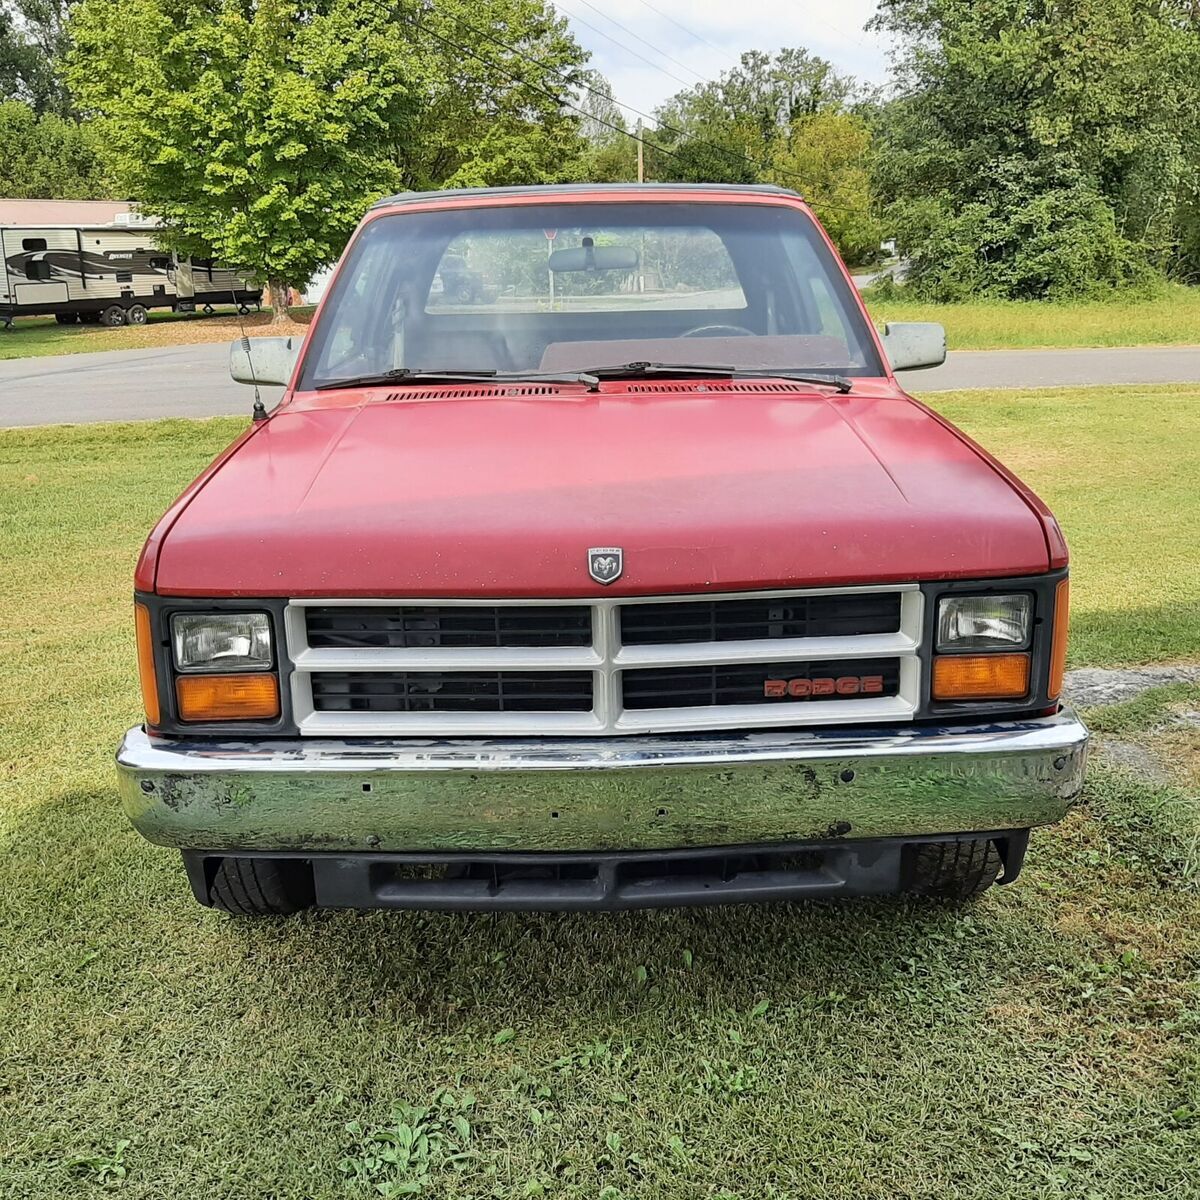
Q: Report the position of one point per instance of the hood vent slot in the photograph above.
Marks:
(484, 392)
(721, 385)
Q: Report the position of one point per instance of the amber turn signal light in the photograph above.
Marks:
(145, 657)
(980, 677)
(1058, 646)
(227, 697)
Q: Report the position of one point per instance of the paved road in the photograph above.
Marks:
(193, 381)
(123, 385)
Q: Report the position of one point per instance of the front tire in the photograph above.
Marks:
(955, 872)
(137, 315)
(261, 887)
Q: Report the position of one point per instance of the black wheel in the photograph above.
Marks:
(137, 315)
(113, 316)
(66, 318)
(954, 871)
(261, 887)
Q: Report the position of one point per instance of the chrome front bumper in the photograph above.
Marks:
(593, 794)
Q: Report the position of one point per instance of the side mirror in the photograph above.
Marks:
(914, 345)
(269, 362)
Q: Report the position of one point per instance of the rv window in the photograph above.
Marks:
(34, 244)
(160, 264)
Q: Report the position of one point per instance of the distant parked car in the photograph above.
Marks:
(603, 596)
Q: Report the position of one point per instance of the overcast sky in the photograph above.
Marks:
(690, 40)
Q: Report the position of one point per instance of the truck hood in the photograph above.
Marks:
(717, 487)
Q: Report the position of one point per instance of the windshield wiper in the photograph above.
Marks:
(591, 377)
(412, 375)
(636, 370)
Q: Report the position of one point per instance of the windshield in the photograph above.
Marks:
(573, 287)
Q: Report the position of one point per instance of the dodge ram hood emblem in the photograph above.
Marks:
(605, 563)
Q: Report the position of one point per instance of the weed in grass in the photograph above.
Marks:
(102, 1168)
(404, 1156)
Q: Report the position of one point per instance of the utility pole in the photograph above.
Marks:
(641, 277)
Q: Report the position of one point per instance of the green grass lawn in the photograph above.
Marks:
(1042, 1044)
(1119, 469)
(1171, 318)
(35, 337)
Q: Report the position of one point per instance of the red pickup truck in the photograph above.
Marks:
(628, 578)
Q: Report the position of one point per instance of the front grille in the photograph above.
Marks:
(431, 625)
(611, 666)
(689, 687)
(760, 619)
(452, 691)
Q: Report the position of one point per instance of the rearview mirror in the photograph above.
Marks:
(914, 345)
(269, 362)
(594, 258)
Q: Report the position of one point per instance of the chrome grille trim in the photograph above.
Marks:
(607, 658)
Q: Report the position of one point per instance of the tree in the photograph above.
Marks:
(1040, 148)
(609, 152)
(32, 45)
(48, 157)
(260, 130)
(493, 79)
(786, 119)
(826, 156)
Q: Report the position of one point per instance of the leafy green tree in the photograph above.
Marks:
(787, 119)
(48, 157)
(1040, 148)
(609, 150)
(32, 44)
(713, 128)
(826, 156)
(261, 130)
(490, 82)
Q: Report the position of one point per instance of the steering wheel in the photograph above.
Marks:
(718, 331)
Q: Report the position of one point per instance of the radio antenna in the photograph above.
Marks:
(260, 412)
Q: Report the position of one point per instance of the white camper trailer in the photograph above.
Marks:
(110, 274)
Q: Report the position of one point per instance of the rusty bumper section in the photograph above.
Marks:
(571, 795)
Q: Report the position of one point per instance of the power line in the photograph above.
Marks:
(690, 32)
(541, 90)
(743, 159)
(638, 37)
(630, 50)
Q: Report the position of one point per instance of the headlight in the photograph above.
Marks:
(984, 622)
(222, 641)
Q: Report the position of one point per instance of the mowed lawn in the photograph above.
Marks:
(35, 337)
(1045, 1043)
(1168, 318)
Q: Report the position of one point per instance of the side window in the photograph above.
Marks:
(33, 244)
(160, 264)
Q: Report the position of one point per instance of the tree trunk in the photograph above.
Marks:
(279, 294)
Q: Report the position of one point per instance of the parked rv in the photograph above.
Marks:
(107, 274)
